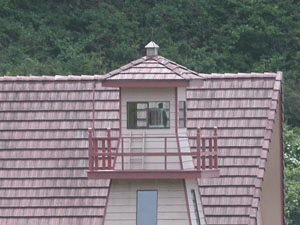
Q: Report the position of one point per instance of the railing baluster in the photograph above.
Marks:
(103, 155)
(122, 150)
(203, 156)
(206, 154)
(96, 153)
(90, 149)
(198, 149)
(215, 148)
(165, 153)
(210, 153)
(109, 148)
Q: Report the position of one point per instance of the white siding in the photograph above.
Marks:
(149, 144)
(150, 162)
(187, 161)
(271, 199)
(171, 202)
(181, 93)
(146, 95)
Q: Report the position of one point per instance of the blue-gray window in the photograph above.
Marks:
(146, 208)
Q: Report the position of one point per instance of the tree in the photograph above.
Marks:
(292, 174)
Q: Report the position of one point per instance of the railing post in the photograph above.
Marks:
(103, 154)
(215, 148)
(96, 153)
(109, 148)
(203, 151)
(198, 149)
(90, 149)
(122, 153)
(210, 157)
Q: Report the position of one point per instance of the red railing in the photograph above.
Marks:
(206, 150)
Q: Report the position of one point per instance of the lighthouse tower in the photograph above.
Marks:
(152, 169)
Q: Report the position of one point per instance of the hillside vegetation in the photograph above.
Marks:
(95, 36)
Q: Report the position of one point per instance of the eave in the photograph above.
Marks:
(152, 174)
(146, 83)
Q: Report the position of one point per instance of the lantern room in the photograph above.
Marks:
(153, 142)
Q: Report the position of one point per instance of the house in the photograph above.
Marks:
(50, 174)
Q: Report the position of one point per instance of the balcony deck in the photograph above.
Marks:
(108, 163)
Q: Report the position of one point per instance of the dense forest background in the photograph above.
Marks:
(95, 36)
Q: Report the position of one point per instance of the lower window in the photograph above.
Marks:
(148, 114)
(146, 208)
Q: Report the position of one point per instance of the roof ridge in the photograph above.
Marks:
(166, 62)
(124, 67)
(51, 78)
(241, 75)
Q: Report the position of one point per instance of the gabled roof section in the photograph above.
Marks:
(243, 107)
(43, 148)
(156, 68)
(44, 145)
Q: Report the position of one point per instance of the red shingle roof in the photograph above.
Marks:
(242, 106)
(152, 68)
(43, 149)
(43, 142)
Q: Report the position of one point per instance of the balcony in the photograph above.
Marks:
(158, 157)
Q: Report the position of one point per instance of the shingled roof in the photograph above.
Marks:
(43, 149)
(243, 107)
(152, 68)
(44, 155)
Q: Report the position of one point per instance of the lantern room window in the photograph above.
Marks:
(148, 114)
(182, 114)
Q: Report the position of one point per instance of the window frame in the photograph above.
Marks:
(148, 109)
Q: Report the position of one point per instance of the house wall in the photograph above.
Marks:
(149, 144)
(271, 197)
(146, 95)
(171, 201)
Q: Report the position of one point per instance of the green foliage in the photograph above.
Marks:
(292, 174)
(292, 147)
(94, 36)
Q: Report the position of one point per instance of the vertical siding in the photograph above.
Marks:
(171, 202)
(150, 145)
(270, 201)
(181, 93)
(146, 95)
(150, 162)
(187, 161)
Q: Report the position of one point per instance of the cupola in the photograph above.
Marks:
(153, 140)
(152, 49)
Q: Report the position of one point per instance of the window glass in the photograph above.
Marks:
(146, 208)
(141, 114)
(182, 114)
(137, 114)
(148, 114)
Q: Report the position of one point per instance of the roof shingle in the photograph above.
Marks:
(43, 142)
